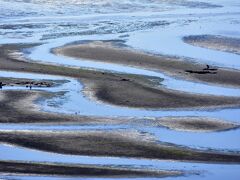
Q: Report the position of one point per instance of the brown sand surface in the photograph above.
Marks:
(106, 51)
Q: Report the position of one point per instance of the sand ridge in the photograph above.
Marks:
(180, 67)
(112, 144)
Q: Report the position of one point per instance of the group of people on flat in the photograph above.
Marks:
(30, 85)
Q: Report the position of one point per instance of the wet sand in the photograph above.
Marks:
(116, 52)
(119, 89)
(13, 167)
(19, 107)
(220, 43)
(120, 143)
(133, 94)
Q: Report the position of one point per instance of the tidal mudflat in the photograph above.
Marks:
(126, 90)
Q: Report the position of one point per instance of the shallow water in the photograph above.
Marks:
(152, 26)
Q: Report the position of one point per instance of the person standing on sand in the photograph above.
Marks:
(1, 85)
